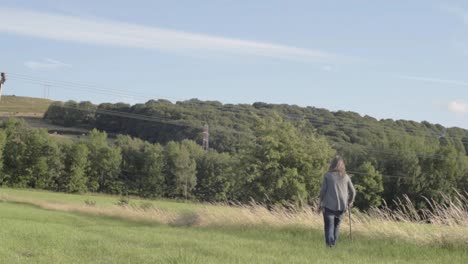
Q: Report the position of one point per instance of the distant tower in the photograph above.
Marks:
(2, 81)
(206, 136)
(46, 90)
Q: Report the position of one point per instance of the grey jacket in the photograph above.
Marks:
(337, 192)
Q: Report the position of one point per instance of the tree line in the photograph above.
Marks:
(282, 165)
(266, 152)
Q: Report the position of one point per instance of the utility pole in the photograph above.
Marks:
(2, 81)
(206, 136)
(46, 90)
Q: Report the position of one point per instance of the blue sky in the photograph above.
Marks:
(387, 59)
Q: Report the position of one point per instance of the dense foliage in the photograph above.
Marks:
(270, 153)
(181, 170)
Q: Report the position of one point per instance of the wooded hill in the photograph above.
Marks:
(270, 153)
(162, 121)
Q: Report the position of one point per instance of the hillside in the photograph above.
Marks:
(32, 110)
(23, 106)
(162, 121)
(185, 119)
(271, 153)
(390, 158)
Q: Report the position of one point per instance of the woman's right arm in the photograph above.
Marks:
(352, 192)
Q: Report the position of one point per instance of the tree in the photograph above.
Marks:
(142, 167)
(16, 171)
(26, 155)
(55, 165)
(180, 171)
(75, 161)
(72, 116)
(462, 175)
(3, 138)
(284, 164)
(153, 182)
(464, 141)
(440, 173)
(369, 186)
(106, 121)
(104, 164)
(215, 173)
(402, 162)
(55, 113)
(87, 113)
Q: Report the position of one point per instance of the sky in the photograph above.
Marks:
(386, 59)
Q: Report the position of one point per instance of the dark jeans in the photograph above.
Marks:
(332, 221)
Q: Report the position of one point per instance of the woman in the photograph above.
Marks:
(336, 196)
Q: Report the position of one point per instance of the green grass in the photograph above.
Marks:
(101, 199)
(19, 104)
(32, 235)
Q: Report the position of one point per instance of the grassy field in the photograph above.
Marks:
(24, 105)
(33, 233)
(101, 200)
(32, 110)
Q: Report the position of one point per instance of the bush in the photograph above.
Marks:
(123, 201)
(91, 203)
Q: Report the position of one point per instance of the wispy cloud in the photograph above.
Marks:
(46, 64)
(458, 107)
(111, 33)
(432, 80)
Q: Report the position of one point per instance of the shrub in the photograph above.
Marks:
(89, 202)
(123, 201)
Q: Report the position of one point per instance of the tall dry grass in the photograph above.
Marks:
(451, 211)
(443, 224)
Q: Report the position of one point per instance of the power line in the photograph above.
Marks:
(83, 86)
(355, 125)
(95, 89)
(152, 118)
(182, 123)
(148, 118)
(189, 124)
(125, 94)
(383, 175)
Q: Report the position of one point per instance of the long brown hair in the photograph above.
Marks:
(338, 165)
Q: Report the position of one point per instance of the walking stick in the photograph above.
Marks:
(350, 225)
